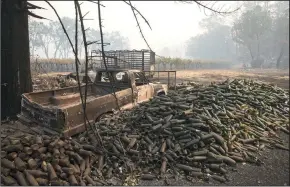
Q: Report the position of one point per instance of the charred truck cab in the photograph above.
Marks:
(61, 110)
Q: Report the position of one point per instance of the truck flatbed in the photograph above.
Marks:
(61, 109)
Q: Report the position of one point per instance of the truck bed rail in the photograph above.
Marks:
(162, 76)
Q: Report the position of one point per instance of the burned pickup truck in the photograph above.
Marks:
(61, 110)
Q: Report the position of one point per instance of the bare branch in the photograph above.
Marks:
(216, 11)
(205, 6)
(36, 16)
(96, 3)
(214, 4)
(64, 30)
(103, 52)
(85, 14)
(96, 134)
(105, 43)
(139, 13)
(76, 45)
(32, 6)
(204, 12)
(77, 6)
(86, 51)
(76, 59)
(139, 26)
(199, 8)
(90, 43)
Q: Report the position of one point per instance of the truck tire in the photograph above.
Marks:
(161, 92)
(104, 115)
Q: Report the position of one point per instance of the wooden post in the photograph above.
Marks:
(158, 76)
(175, 81)
(116, 62)
(168, 79)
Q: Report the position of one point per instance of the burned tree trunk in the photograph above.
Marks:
(9, 66)
(23, 49)
(15, 53)
(278, 62)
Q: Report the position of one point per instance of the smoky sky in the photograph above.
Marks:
(173, 23)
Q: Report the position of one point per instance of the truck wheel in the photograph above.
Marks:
(103, 116)
(160, 93)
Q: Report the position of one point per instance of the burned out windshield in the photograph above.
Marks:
(104, 77)
(119, 77)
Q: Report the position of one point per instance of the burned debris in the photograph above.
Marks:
(195, 132)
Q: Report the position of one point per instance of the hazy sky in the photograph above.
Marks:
(172, 22)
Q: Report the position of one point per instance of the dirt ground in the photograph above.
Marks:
(278, 77)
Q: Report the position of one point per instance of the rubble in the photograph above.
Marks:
(42, 83)
(194, 132)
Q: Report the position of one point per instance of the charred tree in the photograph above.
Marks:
(278, 62)
(15, 61)
(23, 49)
(9, 67)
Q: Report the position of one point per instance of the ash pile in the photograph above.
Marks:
(41, 83)
(195, 132)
